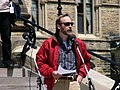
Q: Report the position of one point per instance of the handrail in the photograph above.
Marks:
(31, 37)
(104, 58)
(39, 27)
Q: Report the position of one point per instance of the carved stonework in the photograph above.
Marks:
(110, 1)
(63, 0)
(67, 1)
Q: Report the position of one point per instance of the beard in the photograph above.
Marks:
(68, 32)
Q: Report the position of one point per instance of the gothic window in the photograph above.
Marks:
(35, 12)
(84, 14)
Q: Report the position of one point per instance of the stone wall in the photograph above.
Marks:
(109, 21)
(101, 48)
(52, 13)
(110, 1)
(28, 4)
(108, 12)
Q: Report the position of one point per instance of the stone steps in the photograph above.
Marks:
(17, 72)
(18, 83)
(17, 79)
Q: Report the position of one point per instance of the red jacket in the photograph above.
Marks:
(47, 60)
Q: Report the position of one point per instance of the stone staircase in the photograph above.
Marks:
(17, 79)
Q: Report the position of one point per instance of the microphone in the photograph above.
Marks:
(26, 36)
(72, 38)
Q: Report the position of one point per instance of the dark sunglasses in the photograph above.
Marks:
(68, 23)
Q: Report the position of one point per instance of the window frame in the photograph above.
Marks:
(35, 12)
(84, 15)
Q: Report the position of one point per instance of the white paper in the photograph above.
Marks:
(64, 71)
(11, 7)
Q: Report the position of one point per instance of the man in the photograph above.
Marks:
(5, 31)
(60, 51)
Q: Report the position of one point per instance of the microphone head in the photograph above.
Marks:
(72, 37)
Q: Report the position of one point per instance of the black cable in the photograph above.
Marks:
(39, 27)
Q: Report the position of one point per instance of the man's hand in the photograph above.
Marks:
(56, 75)
(79, 79)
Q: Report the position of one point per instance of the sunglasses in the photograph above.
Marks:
(68, 23)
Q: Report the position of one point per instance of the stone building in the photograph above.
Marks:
(96, 22)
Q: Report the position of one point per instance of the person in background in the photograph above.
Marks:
(5, 31)
(58, 50)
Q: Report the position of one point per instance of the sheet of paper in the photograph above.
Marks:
(64, 71)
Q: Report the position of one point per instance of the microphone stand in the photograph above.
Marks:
(39, 80)
(91, 86)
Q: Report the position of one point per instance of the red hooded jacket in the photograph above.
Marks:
(47, 59)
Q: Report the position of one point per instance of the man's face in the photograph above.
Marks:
(66, 26)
